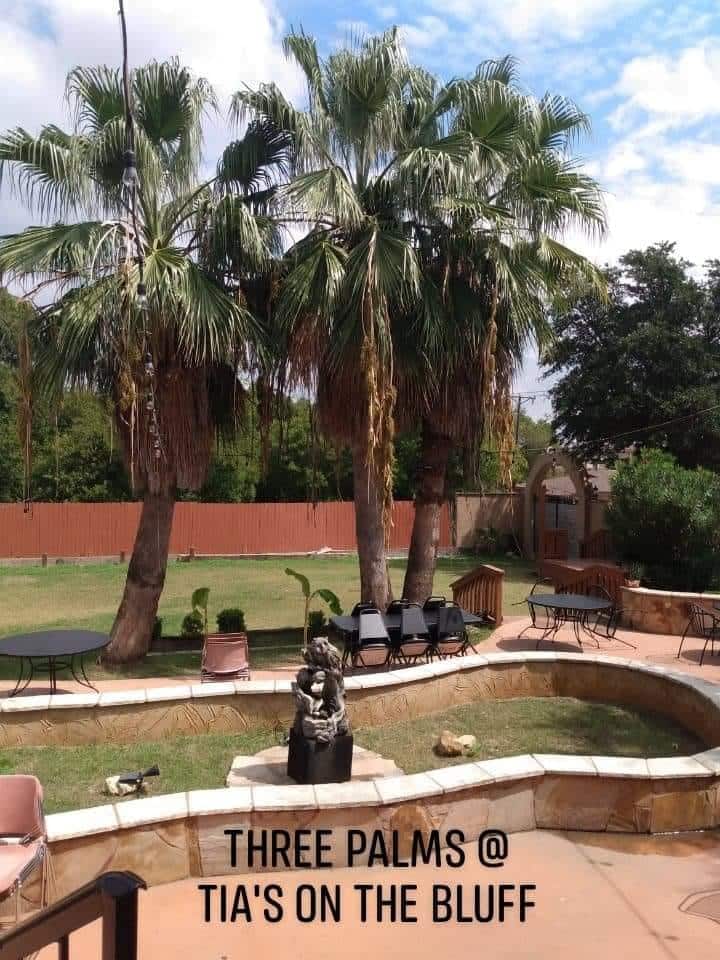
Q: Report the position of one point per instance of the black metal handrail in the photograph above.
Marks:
(112, 897)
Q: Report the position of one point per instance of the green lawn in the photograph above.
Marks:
(88, 595)
(73, 777)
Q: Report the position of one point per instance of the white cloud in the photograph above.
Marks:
(424, 32)
(230, 43)
(672, 91)
(522, 19)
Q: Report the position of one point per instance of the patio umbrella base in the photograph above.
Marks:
(312, 762)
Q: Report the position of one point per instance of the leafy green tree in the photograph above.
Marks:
(667, 519)
(648, 354)
(166, 351)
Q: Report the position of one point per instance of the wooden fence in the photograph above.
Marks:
(221, 529)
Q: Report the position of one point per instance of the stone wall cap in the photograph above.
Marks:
(512, 768)
(667, 767)
(81, 823)
(223, 800)
(21, 704)
(168, 806)
(409, 787)
(215, 688)
(73, 701)
(710, 759)
(178, 692)
(626, 767)
(353, 793)
(566, 764)
(295, 796)
(459, 776)
(120, 698)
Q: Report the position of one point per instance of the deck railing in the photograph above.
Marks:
(112, 897)
(598, 546)
(567, 580)
(480, 592)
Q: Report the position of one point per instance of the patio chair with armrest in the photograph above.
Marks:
(434, 603)
(414, 641)
(451, 639)
(23, 838)
(225, 657)
(373, 643)
(396, 607)
(541, 618)
(705, 625)
(608, 620)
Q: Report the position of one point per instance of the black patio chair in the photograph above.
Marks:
(608, 620)
(541, 618)
(373, 644)
(396, 607)
(434, 603)
(414, 641)
(705, 625)
(450, 639)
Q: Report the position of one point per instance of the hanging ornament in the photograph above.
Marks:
(130, 174)
(142, 297)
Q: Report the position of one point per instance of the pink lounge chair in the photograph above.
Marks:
(225, 657)
(23, 838)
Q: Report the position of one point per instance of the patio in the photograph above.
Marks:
(592, 889)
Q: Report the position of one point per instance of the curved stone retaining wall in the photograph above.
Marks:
(661, 611)
(116, 717)
(181, 835)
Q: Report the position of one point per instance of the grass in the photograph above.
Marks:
(87, 596)
(73, 777)
(532, 725)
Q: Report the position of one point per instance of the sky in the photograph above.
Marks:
(647, 73)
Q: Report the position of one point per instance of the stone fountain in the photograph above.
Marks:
(321, 745)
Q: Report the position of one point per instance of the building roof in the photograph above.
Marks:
(598, 474)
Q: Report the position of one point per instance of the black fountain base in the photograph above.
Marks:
(313, 762)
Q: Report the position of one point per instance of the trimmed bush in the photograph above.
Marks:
(193, 625)
(231, 620)
(667, 518)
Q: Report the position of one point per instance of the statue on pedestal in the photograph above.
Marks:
(320, 740)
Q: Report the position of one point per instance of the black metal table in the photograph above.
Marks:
(349, 625)
(48, 651)
(574, 608)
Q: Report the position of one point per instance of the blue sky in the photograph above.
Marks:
(648, 73)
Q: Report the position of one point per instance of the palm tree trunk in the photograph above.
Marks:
(429, 497)
(370, 532)
(132, 630)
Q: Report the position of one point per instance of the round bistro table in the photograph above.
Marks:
(572, 608)
(48, 651)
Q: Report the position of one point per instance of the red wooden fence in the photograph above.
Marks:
(106, 529)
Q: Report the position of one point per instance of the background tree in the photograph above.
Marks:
(650, 353)
(167, 351)
(374, 148)
(490, 266)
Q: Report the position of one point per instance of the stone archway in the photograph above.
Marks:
(539, 470)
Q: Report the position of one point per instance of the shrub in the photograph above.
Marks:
(157, 629)
(667, 519)
(231, 620)
(316, 622)
(193, 625)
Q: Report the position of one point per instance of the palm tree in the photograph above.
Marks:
(492, 268)
(146, 284)
(373, 153)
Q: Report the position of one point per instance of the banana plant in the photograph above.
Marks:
(327, 595)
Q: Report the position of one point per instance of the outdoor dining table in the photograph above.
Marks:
(48, 651)
(349, 625)
(574, 608)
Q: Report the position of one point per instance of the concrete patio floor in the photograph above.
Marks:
(654, 648)
(597, 895)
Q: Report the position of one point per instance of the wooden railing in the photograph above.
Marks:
(554, 544)
(112, 897)
(569, 580)
(480, 592)
(598, 546)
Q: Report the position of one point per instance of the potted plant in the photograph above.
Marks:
(633, 574)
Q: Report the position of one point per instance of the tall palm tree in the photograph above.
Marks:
(145, 283)
(491, 268)
(373, 151)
